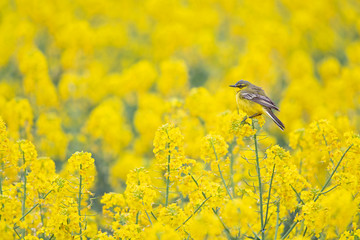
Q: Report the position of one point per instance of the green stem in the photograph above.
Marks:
(297, 194)
(221, 176)
(197, 209)
(23, 204)
(223, 180)
(232, 175)
(305, 231)
(168, 178)
(269, 195)
(232, 161)
(333, 172)
(1, 179)
(323, 135)
(227, 231)
(17, 233)
(289, 231)
(41, 235)
(321, 191)
(255, 234)
(277, 219)
(153, 215)
(24, 215)
(260, 184)
(34, 206)
(41, 217)
(79, 203)
(148, 217)
(137, 217)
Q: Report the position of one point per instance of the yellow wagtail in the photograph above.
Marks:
(253, 101)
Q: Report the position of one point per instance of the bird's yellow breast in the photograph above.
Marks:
(247, 106)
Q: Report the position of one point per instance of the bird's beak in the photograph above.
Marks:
(232, 85)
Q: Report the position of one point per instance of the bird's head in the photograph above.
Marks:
(241, 84)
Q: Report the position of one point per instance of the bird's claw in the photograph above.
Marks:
(244, 120)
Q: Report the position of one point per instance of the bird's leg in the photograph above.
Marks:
(244, 119)
(255, 115)
(252, 116)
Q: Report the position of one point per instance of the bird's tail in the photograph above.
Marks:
(275, 119)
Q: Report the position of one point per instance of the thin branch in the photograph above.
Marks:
(277, 219)
(168, 178)
(152, 214)
(197, 209)
(79, 203)
(321, 191)
(222, 178)
(297, 194)
(260, 184)
(323, 135)
(227, 231)
(329, 190)
(269, 195)
(289, 231)
(148, 217)
(333, 172)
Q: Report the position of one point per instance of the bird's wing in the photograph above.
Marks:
(260, 99)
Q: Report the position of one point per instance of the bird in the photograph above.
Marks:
(253, 101)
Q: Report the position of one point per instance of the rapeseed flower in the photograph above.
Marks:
(144, 89)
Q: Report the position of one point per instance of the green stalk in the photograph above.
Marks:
(34, 206)
(79, 203)
(148, 217)
(232, 161)
(168, 178)
(289, 231)
(153, 215)
(24, 215)
(221, 176)
(329, 178)
(277, 219)
(323, 135)
(196, 210)
(269, 195)
(305, 232)
(260, 184)
(41, 217)
(333, 172)
(223, 180)
(23, 203)
(227, 231)
(232, 175)
(137, 217)
(297, 194)
(1, 179)
(321, 191)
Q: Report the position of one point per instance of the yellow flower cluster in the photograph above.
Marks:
(117, 120)
(213, 148)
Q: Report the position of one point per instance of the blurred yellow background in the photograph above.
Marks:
(103, 76)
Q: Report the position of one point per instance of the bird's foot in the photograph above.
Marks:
(255, 115)
(252, 116)
(244, 120)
